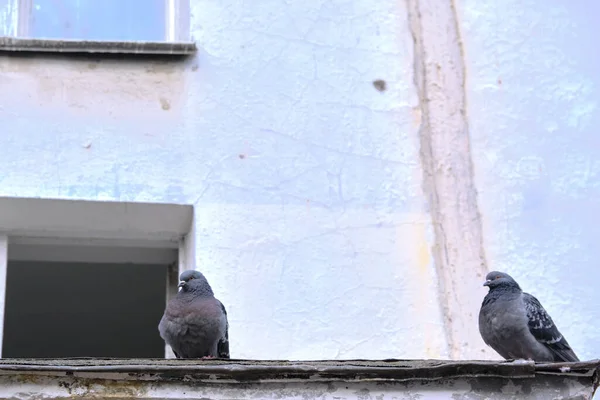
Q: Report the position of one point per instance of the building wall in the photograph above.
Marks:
(311, 223)
(335, 219)
(533, 112)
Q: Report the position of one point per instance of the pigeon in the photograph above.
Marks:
(516, 325)
(195, 323)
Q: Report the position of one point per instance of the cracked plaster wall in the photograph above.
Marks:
(311, 222)
(533, 92)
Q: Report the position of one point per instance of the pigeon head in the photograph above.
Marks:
(194, 281)
(497, 279)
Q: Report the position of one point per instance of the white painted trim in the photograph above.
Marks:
(183, 257)
(94, 219)
(180, 20)
(24, 17)
(171, 20)
(3, 268)
(9, 17)
(187, 246)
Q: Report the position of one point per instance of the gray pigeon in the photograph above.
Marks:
(195, 322)
(516, 325)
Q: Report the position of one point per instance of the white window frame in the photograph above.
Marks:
(93, 226)
(177, 14)
(3, 268)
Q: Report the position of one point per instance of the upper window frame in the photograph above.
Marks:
(15, 27)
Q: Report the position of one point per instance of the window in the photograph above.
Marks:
(57, 309)
(96, 20)
(88, 279)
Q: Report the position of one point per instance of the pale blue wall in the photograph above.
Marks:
(310, 219)
(311, 222)
(533, 71)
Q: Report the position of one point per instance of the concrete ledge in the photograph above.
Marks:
(13, 44)
(322, 370)
(246, 379)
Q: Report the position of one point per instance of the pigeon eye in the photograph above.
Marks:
(498, 277)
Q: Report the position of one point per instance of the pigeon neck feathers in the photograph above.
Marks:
(500, 283)
(506, 290)
(198, 287)
(506, 287)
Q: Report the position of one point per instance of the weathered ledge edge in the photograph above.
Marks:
(12, 44)
(327, 370)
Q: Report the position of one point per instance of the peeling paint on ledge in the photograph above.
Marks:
(245, 379)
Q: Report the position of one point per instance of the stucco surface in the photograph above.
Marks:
(310, 219)
(533, 111)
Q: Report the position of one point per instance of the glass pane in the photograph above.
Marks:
(98, 19)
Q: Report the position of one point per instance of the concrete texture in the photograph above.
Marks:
(242, 379)
(295, 134)
(533, 91)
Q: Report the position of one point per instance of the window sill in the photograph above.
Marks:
(13, 44)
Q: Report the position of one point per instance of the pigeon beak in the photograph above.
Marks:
(487, 283)
(181, 284)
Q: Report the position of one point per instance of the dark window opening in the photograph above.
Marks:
(79, 309)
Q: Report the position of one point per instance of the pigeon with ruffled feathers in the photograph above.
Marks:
(516, 325)
(195, 323)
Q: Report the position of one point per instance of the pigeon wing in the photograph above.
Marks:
(223, 345)
(544, 331)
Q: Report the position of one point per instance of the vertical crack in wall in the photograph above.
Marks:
(448, 181)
